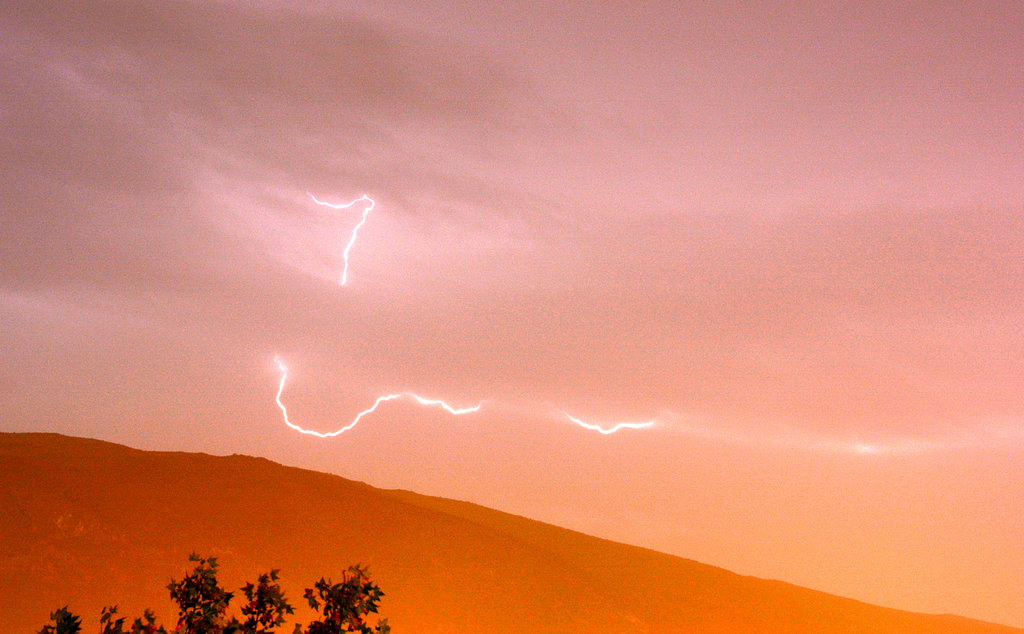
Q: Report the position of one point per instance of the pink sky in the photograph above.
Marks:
(792, 237)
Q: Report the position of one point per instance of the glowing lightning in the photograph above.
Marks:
(352, 240)
(610, 430)
(388, 397)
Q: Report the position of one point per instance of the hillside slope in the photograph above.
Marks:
(89, 523)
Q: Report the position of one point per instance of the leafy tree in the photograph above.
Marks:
(145, 625)
(64, 622)
(203, 605)
(108, 624)
(345, 605)
(266, 605)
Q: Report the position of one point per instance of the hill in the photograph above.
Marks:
(89, 523)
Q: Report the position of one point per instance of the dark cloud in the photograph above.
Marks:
(116, 114)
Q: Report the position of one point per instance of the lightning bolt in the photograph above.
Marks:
(352, 240)
(818, 444)
(428, 402)
(609, 430)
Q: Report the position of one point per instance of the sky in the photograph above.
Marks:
(790, 235)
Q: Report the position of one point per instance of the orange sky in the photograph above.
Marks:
(792, 237)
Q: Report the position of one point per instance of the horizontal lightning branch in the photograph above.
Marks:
(608, 430)
(428, 402)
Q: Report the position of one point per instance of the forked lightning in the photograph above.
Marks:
(362, 221)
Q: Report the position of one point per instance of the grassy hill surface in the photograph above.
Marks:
(90, 523)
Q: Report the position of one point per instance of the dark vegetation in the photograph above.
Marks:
(203, 606)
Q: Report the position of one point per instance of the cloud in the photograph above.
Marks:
(162, 153)
(147, 140)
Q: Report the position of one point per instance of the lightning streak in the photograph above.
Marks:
(382, 399)
(352, 240)
(609, 430)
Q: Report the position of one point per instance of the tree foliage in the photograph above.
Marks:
(203, 604)
(64, 622)
(346, 605)
(266, 605)
(203, 607)
(145, 625)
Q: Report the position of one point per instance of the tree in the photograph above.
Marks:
(145, 625)
(203, 605)
(345, 605)
(64, 622)
(266, 605)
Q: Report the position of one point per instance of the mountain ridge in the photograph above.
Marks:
(96, 523)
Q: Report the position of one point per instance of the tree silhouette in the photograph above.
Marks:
(145, 625)
(266, 605)
(203, 605)
(64, 622)
(202, 602)
(346, 605)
